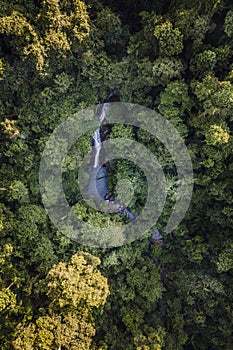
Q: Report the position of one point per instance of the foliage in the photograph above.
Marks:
(167, 69)
(170, 39)
(228, 23)
(110, 27)
(73, 289)
(58, 57)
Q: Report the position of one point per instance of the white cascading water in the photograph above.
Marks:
(103, 112)
(97, 146)
(96, 137)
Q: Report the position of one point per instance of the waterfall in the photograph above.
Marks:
(97, 146)
(97, 138)
(98, 174)
(103, 112)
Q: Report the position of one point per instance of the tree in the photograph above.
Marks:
(58, 57)
(73, 290)
(170, 39)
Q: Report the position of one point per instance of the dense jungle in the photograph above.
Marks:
(58, 57)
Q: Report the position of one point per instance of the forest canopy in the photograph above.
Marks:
(174, 57)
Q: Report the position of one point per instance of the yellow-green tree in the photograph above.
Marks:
(70, 292)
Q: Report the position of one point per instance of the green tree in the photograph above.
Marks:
(170, 39)
(73, 290)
